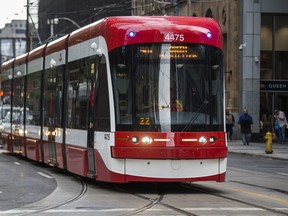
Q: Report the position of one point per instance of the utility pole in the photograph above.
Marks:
(27, 28)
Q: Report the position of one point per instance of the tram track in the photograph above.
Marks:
(258, 186)
(154, 194)
(158, 200)
(188, 186)
(81, 192)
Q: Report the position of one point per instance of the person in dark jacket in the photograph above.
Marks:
(245, 123)
(230, 121)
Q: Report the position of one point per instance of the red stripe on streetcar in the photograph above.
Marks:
(169, 153)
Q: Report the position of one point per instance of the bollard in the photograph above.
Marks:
(268, 139)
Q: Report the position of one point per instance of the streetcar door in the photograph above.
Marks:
(91, 118)
(53, 100)
(52, 147)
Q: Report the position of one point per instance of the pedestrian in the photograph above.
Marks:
(230, 121)
(267, 122)
(281, 124)
(245, 123)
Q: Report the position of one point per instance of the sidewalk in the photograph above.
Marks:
(279, 151)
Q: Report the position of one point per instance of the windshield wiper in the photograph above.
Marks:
(194, 117)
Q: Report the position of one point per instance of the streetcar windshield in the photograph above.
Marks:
(167, 87)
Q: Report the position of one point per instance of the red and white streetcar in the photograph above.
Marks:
(123, 99)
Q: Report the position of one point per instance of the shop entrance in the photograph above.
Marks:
(269, 101)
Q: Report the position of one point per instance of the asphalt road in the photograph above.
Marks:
(22, 182)
(255, 186)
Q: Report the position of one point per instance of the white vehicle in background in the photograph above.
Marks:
(4, 109)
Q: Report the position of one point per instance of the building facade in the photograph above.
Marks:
(255, 44)
(12, 40)
(274, 55)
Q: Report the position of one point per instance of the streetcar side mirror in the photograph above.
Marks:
(99, 52)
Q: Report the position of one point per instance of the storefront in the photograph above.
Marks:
(274, 63)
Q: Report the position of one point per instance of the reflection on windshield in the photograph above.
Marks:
(18, 116)
(159, 89)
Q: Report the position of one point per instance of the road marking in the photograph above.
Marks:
(17, 163)
(44, 175)
(285, 174)
(19, 211)
(249, 193)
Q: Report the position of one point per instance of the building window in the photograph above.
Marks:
(274, 47)
(209, 13)
(20, 31)
(274, 62)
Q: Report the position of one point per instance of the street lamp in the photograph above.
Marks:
(55, 21)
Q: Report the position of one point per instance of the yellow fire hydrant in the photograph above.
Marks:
(268, 139)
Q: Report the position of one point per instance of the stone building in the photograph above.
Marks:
(255, 44)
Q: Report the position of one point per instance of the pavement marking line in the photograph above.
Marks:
(251, 193)
(285, 174)
(44, 175)
(19, 211)
(17, 163)
(27, 211)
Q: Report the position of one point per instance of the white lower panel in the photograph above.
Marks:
(175, 168)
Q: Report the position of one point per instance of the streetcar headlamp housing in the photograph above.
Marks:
(202, 140)
(147, 140)
(134, 139)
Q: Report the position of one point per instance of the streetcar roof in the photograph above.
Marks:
(19, 60)
(153, 30)
(37, 53)
(146, 29)
(150, 29)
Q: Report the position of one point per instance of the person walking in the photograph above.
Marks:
(267, 122)
(245, 123)
(281, 122)
(230, 121)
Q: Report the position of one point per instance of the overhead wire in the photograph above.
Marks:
(99, 10)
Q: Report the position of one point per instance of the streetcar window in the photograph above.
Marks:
(87, 83)
(3, 111)
(53, 92)
(102, 110)
(6, 99)
(77, 94)
(33, 97)
(167, 87)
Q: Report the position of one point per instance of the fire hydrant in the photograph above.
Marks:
(268, 139)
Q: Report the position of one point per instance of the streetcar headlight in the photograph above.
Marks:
(202, 140)
(147, 140)
(212, 139)
(134, 139)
